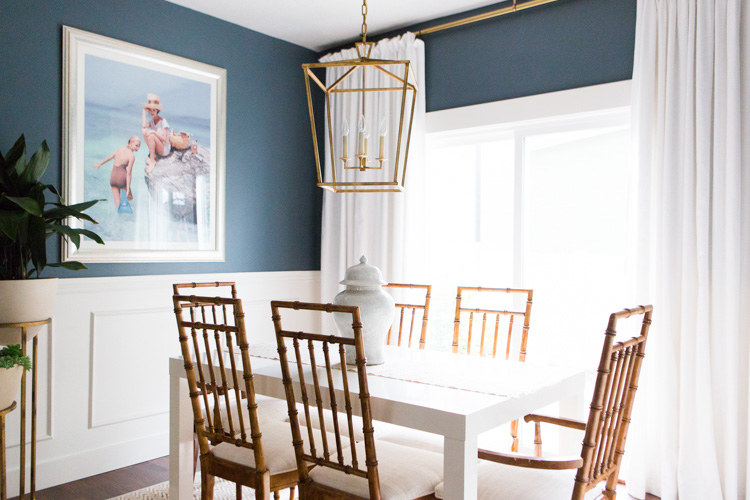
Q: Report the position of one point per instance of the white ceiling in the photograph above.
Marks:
(321, 24)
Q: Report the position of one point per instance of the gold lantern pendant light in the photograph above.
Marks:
(363, 92)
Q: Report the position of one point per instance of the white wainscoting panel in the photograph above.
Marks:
(103, 368)
(122, 343)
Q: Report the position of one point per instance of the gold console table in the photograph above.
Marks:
(25, 327)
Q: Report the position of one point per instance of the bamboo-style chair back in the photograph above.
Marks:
(490, 331)
(410, 312)
(310, 369)
(611, 405)
(213, 338)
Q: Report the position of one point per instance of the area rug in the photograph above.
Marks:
(223, 490)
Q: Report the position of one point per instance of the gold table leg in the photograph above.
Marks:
(3, 465)
(22, 483)
(3, 493)
(33, 416)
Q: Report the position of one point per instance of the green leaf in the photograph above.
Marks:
(9, 223)
(38, 164)
(53, 189)
(62, 212)
(72, 265)
(66, 232)
(80, 207)
(23, 230)
(12, 355)
(38, 243)
(28, 204)
(90, 234)
(17, 153)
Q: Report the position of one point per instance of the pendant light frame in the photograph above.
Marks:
(404, 84)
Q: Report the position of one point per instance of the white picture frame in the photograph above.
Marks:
(173, 212)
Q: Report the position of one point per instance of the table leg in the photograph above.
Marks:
(3, 479)
(180, 437)
(460, 468)
(573, 407)
(32, 488)
(22, 462)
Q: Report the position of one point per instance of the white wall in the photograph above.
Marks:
(103, 370)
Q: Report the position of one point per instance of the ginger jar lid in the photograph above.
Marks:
(363, 274)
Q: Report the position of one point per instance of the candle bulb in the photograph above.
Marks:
(361, 145)
(367, 138)
(345, 139)
(382, 132)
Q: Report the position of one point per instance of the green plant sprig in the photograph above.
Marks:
(27, 219)
(12, 355)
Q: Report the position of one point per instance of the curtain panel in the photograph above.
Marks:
(691, 109)
(385, 227)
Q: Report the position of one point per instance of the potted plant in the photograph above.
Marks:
(30, 212)
(12, 365)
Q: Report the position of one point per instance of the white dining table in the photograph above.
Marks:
(439, 398)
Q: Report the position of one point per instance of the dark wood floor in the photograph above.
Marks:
(111, 484)
(121, 481)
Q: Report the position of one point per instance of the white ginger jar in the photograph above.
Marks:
(364, 289)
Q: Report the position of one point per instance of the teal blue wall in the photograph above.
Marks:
(272, 205)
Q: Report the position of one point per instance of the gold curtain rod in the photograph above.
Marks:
(487, 15)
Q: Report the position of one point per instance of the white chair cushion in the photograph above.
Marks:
(277, 448)
(520, 483)
(404, 473)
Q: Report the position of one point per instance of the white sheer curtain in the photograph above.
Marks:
(692, 114)
(382, 226)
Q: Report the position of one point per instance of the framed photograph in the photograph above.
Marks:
(145, 132)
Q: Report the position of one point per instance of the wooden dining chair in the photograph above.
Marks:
(470, 314)
(489, 340)
(605, 431)
(344, 469)
(271, 408)
(241, 437)
(406, 310)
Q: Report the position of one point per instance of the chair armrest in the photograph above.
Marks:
(556, 463)
(564, 422)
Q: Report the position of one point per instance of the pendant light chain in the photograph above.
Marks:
(364, 21)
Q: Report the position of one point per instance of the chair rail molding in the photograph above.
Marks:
(104, 380)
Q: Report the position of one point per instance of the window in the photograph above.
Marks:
(539, 205)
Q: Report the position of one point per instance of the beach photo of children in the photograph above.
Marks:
(160, 193)
(144, 130)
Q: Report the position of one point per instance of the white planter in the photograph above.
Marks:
(10, 382)
(363, 288)
(24, 301)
